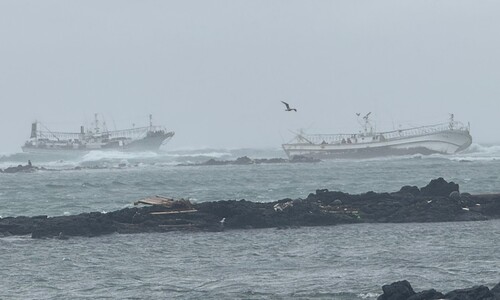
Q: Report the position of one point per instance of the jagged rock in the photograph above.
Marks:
(412, 190)
(245, 160)
(400, 290)
(439, 187)
(337, 202)
(475, 293)
(431, 294)
(19, 168)
(213, 162)
(455, 195)
(496, 291)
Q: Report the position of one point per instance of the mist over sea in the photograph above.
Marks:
(338, 262)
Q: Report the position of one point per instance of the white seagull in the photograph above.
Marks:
(288, 107)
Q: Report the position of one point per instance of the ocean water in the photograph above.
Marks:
(338, 262)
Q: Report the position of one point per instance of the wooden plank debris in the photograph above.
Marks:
(156, 200)
(173, 212)
(172, 206)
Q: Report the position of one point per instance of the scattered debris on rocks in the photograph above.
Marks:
(434, 203)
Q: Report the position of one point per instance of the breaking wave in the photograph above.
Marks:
(477, 152)
(5, 154)
(116, 155)
(203, 154)
(112, 159)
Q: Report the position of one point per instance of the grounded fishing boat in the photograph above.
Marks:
(445, 138)
(148, 138)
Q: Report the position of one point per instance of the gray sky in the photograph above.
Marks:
(216, 71)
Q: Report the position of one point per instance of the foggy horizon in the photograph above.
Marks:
(215, 72)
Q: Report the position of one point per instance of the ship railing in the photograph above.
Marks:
(56, 136)
(133, 133)
(324, 138)
(139, 132)
(423, 130)
(380, 136)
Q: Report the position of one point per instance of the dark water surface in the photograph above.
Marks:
(339, 262)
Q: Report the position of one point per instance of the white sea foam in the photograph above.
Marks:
(58, 164)
(110, 157)
(6, 164)
(198, 154)
(485, 149)
(4, 154)
(477, 152)
(107, 155)
(10, 159)
(369, 295)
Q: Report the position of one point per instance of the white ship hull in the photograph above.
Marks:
(147, 144)
(447, 141)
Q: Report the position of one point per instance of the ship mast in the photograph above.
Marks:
(366, 125)
(96, 123)
(452, 122)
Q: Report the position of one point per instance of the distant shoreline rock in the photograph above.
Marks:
(439, 201)
(20, 168)
(30, 168)
(245, 160)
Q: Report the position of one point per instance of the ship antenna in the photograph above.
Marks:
(367, 123)
(104, 127)
(150, 122)
(300, 136)
(96, 123)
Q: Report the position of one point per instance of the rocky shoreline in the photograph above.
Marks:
(30, 168)
(402, 290)
(21, 169)
(245, 160)
(439, 201)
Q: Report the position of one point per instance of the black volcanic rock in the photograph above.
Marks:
(496, 290)
(412, 190)
(439, 187)
(431, 294)
(475, 293)
(245, 160)
(321, 208)
(19, 168)
(213, 162)
(91, 224)
(402, 290)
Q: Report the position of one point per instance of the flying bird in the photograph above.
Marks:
(288, 106)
